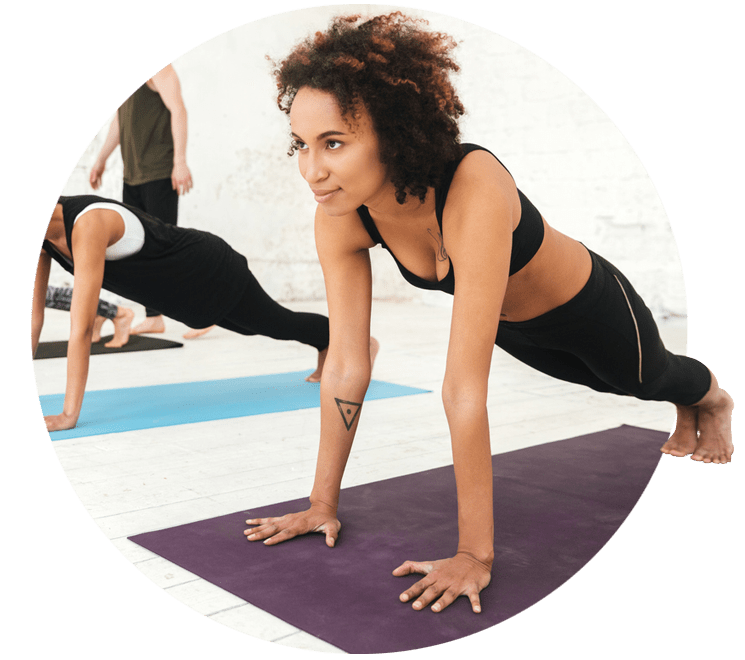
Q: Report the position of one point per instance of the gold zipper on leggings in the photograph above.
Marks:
(636, 326)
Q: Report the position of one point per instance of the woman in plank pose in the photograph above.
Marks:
(189, 275)
(374, 121)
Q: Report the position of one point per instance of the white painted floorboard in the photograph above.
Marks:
(146, 480)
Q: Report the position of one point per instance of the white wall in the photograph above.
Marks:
(564, 152)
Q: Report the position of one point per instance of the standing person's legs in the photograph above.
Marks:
(132, 197)
(159, 199)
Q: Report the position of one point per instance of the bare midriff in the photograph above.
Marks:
(556, 274)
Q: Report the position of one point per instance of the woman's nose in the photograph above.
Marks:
(312, 167)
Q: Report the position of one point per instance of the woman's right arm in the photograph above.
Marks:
(342, 247)
(93, 232)
(40, 296)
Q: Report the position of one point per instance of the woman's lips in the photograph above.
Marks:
(322, 196)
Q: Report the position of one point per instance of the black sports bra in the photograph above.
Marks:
(526, 238)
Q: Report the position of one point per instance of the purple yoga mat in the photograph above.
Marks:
(556, 505)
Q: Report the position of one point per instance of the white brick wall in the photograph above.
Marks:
(563, 151)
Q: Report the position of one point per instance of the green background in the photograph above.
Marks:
(665, 72)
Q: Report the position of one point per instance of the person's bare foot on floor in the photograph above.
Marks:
(684, 439)
(704, 430)
(715, 430)
(97, 324)
(315, 377)
(193, 333)
(122, 328)
(374, 348)
(151, 325)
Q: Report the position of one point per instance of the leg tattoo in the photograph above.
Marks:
(348, 410)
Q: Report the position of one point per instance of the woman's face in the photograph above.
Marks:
(337, 156)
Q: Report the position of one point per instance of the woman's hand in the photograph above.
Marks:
(446, 579)
(60, 422)
(276, 530)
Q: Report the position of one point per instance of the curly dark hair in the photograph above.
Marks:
(400, 72)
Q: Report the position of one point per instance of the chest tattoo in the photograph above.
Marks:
(442, 254)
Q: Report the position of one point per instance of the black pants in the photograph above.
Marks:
(606, 338)
(256, 313)
(159, 199)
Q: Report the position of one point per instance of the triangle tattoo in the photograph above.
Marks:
(349, 411)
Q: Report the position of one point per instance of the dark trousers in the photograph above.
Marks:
(606, 338)
(256, 313)
(157, 198)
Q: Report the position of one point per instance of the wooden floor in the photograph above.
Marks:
(150, 479)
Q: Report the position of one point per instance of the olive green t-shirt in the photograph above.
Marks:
(145, 137)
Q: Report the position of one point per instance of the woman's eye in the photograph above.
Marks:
(333, 144)
(297, 144)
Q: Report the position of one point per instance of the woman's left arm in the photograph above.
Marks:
(40, 290)
(167, 84)
(479, 218)
(89, 241)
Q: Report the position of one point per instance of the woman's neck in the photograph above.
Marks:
(412, 210)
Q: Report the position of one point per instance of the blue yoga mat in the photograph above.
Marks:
(133, 408)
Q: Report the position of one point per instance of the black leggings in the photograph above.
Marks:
(258, 314)
(157, 198)
(606, 338)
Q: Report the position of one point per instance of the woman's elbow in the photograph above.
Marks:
(81, 331)
(462, 400)
(348, 370)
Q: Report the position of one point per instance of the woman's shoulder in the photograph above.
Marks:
(480, 170)
(344, 233)
(481, 184)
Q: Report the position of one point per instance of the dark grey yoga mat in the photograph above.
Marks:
(57, 349)
(556, 505)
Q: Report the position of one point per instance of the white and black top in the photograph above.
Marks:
(189, 275)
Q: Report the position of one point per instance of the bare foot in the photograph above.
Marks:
(122, 324)
(685, 437)
(704, 429)
(151, 325)
(315, 377)
(97, 324)
(374, 348)
(715, 429)
(194, 333)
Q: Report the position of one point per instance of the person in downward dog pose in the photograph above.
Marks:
(192, 276)
(374, 120)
